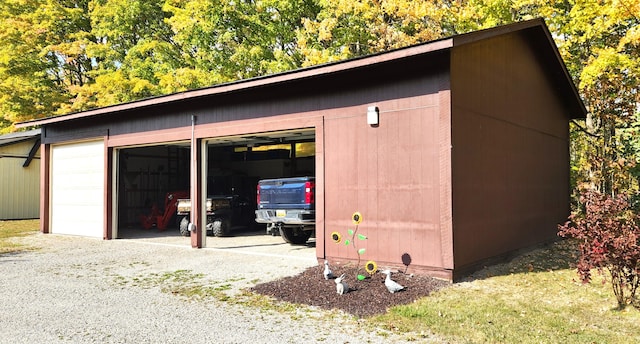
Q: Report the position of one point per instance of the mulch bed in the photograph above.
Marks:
(366, 298)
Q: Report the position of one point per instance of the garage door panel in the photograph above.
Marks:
(77, 189)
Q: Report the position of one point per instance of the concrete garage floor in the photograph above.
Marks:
(252, 243)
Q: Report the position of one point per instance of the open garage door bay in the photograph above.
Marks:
(77, 189)
(233, 165)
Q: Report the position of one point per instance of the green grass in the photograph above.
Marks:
(536, 298)
(12, 229)
(182, 283)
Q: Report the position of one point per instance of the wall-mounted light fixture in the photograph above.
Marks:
(373, 116)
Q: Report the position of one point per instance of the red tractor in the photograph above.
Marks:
(161, 220)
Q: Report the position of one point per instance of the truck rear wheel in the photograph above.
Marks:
(220, 227)
(294, 236)
(184, 226)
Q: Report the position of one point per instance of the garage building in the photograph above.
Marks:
(20, 175)
(467, 157)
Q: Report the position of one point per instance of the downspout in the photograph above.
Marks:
(194, 225)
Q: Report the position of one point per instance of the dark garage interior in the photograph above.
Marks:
(148, 177)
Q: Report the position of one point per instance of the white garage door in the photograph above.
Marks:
(77, 189)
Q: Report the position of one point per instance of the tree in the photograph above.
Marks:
(351, 28)
(231, 40)
(608, 233)
(131, 48)
(602, 38)
(39, 56)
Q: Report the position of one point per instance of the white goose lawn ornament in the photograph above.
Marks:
(392, 286)
(328, 274)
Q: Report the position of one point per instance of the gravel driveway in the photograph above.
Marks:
(82, 290)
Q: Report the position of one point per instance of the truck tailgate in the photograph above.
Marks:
(286, 193)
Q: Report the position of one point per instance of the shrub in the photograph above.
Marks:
(608, 233)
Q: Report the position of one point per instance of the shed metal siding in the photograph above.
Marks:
(19, 186)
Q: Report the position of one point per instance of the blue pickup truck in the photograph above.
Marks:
(287, 206)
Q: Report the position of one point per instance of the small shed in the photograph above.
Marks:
(454, 151)
(20, 175)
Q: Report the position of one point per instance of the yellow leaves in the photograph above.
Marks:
(605, 64)
(71, 49)
(318, 56)
(408, 10)
(340, 8)
(139, 86)
(631, 39)
(325, 29)
(348, 28)
(182, 79)
(322, 29)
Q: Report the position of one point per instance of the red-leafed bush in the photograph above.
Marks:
(608, 232)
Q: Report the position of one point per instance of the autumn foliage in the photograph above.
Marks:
(608, 232)
(59, 57)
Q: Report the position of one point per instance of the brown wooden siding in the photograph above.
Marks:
(510, 150)
(391, 174)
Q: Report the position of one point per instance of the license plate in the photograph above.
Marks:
(281, 213)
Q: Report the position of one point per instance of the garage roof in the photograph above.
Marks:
(542, 38)
(13, 138)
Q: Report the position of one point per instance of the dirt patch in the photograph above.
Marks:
(366, 298)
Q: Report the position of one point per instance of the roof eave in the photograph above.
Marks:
(573, 90)
(299, 74)
(14, 138)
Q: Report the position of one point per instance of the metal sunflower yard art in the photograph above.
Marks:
(370, 267)
(356, 218)
(336, 237)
